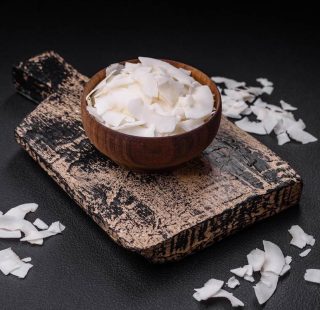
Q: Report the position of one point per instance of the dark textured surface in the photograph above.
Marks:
(82, 269)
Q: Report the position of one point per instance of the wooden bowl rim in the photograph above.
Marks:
(212, 118)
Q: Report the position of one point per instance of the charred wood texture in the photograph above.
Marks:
(164, 217)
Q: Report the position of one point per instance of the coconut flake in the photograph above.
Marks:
(235, 302)
(301, 136)
(210, 288)
(20, 211)
(299, 238)
(274, 259)
(9, 234)
(242, 271)
(9, 261)
(54, 228)
(267, 89)
(305, 253)
(267, 285)
(285, 269)
(249, 278)
(283, 138)
(26, 259)
(14, 223)
(233, 282)
(312, 275)
(40, 224)
(286, 106)
(213, 289)
(22, 271)
(253, 127)
(264, 82)
(229, 83)
(256, 259)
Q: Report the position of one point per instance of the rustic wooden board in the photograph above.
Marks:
(236, 182)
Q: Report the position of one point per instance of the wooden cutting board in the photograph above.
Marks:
(236, 182)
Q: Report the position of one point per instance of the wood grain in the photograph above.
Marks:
(151, 153)
(236, 182)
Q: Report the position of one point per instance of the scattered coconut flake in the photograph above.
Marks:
(274, 259)
(288, 260)
(12, 223)
(55, 228)
(249, 278)
(229, 83)
(285, 269)
(256, 259)
(11, 263)
(210, 288)
(235, 302)
(213, 289)
(267, 285)
(305, 253)
(283, 138)
(254, 127)
(286, 106)
(233, 282)
(237, 97)
(20, 211)
(301, 136)
(40, 224)
(10, 234)
(26, 259)
(22, 271)
(312, 275)
(264, 82)
(299, 238)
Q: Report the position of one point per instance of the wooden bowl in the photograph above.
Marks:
(151, 153)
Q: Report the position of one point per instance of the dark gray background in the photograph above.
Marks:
(83, 268)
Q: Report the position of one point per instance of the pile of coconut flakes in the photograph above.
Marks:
(12, 224)
(240, 101)
(270, 263)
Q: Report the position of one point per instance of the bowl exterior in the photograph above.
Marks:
(151, 153)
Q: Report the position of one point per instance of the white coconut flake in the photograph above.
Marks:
(274, 259)
(233, 282)
(301, 136)
(20, 211)
(267, 89)
(242, 271)
(22, 271)
(288, 260)
(9, 261)
(283, 138)
(253, 127)
(267, 285)
(286, 106)
(299, 238)
(264, 82)
(210, 288)
(249, 278)
(54, 228)
(229, 83)
(213, 289)
(14, 223)
(235, 302)
(285, 269)
(256, 259)
(40, 224)
(26, 259)
(305, 253)
(312, 275)
(7, 234)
